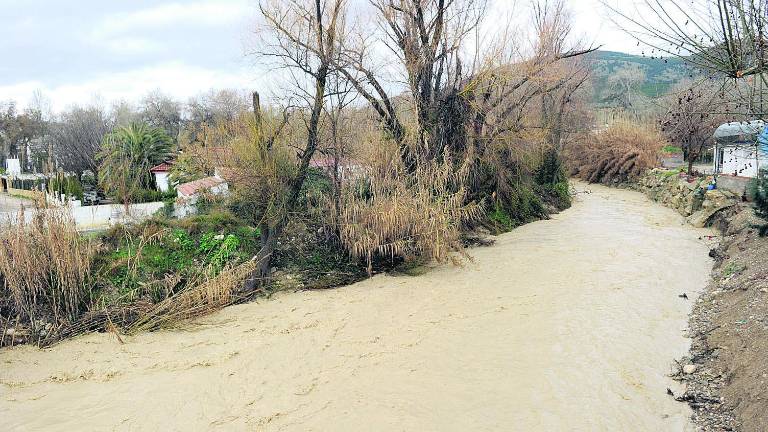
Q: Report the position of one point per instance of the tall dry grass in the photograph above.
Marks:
(388, 213)
(619, 153)
(45, 266)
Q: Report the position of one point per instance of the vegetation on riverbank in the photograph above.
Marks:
(165, 270)
(322, 191)
(620, 153)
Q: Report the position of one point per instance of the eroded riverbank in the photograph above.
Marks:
(567, 324)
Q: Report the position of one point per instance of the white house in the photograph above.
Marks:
(161, 173)
(741, 148)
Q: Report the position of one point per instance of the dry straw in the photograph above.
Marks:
(619, 153)
(388, 213)
(46, 265)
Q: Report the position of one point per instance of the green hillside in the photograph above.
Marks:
(652, 77)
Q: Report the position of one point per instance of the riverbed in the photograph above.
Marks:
(569, 324)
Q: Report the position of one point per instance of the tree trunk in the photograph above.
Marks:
(269, 235)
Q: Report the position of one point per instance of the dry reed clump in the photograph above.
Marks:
(387, 213)
(619, 153)
(45, 267)
(196, 301)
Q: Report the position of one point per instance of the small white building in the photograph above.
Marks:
(188, 194)
(162, 173)
(741, 149)
(214, 185)
(12, 166)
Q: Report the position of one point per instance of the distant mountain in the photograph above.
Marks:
(614, 72)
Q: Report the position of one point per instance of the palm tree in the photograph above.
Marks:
(127, 154)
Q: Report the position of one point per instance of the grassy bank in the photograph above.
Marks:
(55, 283)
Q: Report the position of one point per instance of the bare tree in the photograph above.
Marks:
(207, 109)
(337, 127)
(724, 38)
(18, 131)
(76, 138)
(161, 111)
(553, 24)
(690, 121)
(427, 37)
(450, 89)
(304, 39)
(623, 87)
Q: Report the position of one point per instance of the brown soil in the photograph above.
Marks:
(729, 328)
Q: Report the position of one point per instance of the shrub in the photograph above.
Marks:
(150, 195)
(671, 149)
(169, 207)
(399, 215)
(557, 195)
(758, 190)
(216, 220)
(551, 170)
(552, 182)
(500, 219)
(46, 266)
(620, 153)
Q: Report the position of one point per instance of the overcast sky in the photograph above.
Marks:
(77, 52)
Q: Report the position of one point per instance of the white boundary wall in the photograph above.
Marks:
(101, 216)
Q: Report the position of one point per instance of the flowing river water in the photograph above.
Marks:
(570, 324)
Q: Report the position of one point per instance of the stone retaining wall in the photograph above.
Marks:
(689, 198)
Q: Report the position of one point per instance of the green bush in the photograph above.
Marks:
(169, 206)
(317, 185)
(160, 257)
(562, 195)
(551, 171)
(74, 188)
(501, 219)
(150, 195)
(525, 206)
(217, 220)
(671, 149)
(226, 250)
(758, 191)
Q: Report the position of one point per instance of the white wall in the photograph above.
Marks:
(162, 181)
(13, 166)
(741, 161)
(187, 206)
(101, 216)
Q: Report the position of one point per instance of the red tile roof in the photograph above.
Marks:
(163, 167)
(193, 187)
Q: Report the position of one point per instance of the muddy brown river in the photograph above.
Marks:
(570, 324)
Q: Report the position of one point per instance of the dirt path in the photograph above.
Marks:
(564, 325)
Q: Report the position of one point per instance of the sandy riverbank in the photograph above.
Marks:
(567, 324)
